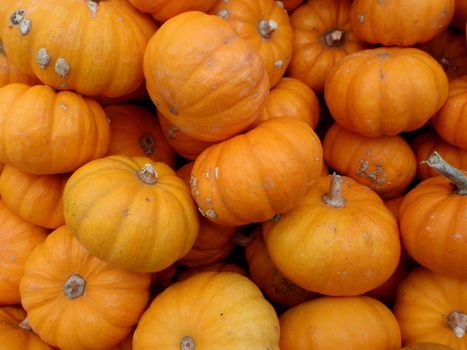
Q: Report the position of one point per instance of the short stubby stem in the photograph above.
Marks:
(457, 321)
(266, 28)
(335, 198)
(74, 287)
(334, 38)
(187, 343)
(148, 174)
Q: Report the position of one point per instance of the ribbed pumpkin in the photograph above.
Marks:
(150, 218)
(46, 38)
(75, 301)
(216, 86)
(339, 240)
(352, 323)
(162, 10)
(431, 307)
(400, 22)
(265, 25)
(136, 133)
(9, 73)
(47, 132)
(18, 239)
(372, 92)
(37, 199)
(220, 266)
(322, 37)
(241, 180)
(229, 310)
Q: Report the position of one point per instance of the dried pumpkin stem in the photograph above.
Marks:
(266, 28)
(457, 321)
(148, 174)
(187, 343)
(148, 144)
(74, 286)
(24, 324)
(457, 177)
(335, 198)
(334, 38)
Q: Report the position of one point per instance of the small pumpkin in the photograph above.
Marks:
(162, 10)
(9, 73)
(219, 266)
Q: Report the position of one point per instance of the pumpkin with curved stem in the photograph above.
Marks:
(437, 238)
(322, 37)
(217, 85)
(134, 132)
(400, 23)
(162, 10)
(215, 267)
(265, 25)
(45, 38)
(46, 132)
(151, 218)
(76, 301)
(391, 79)
(230, 305)
(430, 307)
(9, 73)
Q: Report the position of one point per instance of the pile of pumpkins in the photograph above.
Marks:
(233, 174)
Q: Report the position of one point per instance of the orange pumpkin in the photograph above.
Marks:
(229, 310)
(75, 301)
(9, 73)
(322, 37)
(46, 39)
(427, 346)
(289, 5)
(216, 86)
(215, 267)
(430, 307)
(126, 344)
(394, 204)
(351, 323)
(47, 132)
(136, 133)
(162, 10)
(399, 22)
(241, 180)
(339, 240)
(372, 92)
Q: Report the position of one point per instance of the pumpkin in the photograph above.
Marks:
(46, 39)
(216, 86)
(386, 164)
(35, 198)
(18, 239)
(135, 132)
(400, 23)
(429, 141)
(289, 5)
(340, 240)
(265, 25)
(451, 121)
(219, 266)
(433, 220)
(460, 15)
(46, 132)
(16, 334)
(162, 10)
(9, 73)
(252, 177)
(229, 309)
(76, 301)
(394, 204)
(322, 37)
(293, 99)
(351, 323)
(430, 307)
(427, 346)
(372, 92)
(151, 220)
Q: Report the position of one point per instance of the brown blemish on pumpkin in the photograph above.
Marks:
(92, 6)
(211, 214)
(62, 68)
(223, 13)
(63, 105)
(172, 131)
(276, 218)
(173, 110)
(207, 173)
(279, 64)
(208, 200)
(280, 4)
(361, 19)
(2, 48)
(42, 58)
(125, 213)
(24, 324)
(378, 177)
(194, 186)
(63, 85)
(25, 26)
(148, 144)
(17, 17)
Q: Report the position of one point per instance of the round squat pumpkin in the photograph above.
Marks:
(162, 10)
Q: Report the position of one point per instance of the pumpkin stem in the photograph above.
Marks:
(24, 324)
(457, 321)
(457, 177)
(266, 28)
(148, 144)
(335, 198)
(172, 131)
(74, 286)
(334, 38)
(187, 343)
(148, 174)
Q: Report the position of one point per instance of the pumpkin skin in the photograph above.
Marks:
(399, 22)
(215, 267)
(230, 305)
(371, 161)
(162, 10)
(394, 204)
(76, 301)
(329, 323)
(265, 25)
(423, 302)
(293, 99)
(126, 344)
(290, 5)
(320, 247)
(391, 79)
(136, 133)
(18, 239)
(14, 335)
(427, 346)
(240, 180)
(451, 121)
(152, 220)
(322, 37)
(45, 132)
(217, 85)
(65, 57)
(9, 73)
(35, 198)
